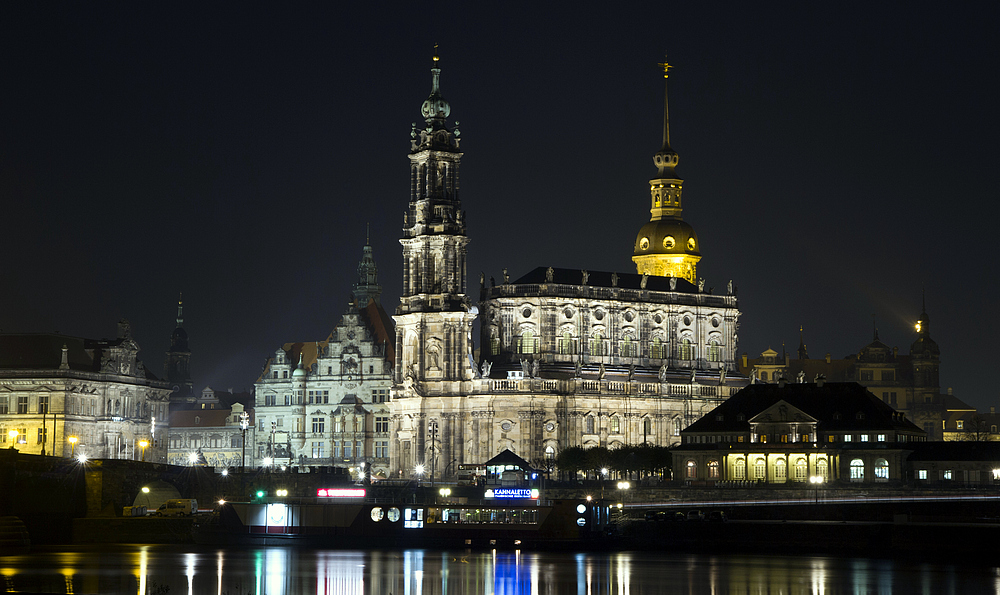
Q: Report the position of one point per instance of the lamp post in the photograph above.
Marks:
(432, 432)
(142, 446)
(72, 442)
(244, 424)
(623, 487)
(817, 481)
(13, 437)
(419, 469)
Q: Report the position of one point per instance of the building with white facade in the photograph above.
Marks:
(568, 357)
(326, 403)
(62, 395)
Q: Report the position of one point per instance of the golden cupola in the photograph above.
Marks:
(667, 246)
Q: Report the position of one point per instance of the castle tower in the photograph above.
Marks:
(367, 287)
(434, 318)
(177, 365)
(925, 356)
(667, 246)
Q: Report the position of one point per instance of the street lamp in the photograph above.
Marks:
(444, 492)
(817, 481)
(72, 441)
(142, 445)
(623, 486)
(13, 437)
(432, 431)
(604, 477)
(244, 424)
(419, 469)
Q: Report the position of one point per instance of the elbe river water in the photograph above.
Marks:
(179, 570)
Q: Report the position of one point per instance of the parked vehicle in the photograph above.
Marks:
(178, 507)
(718, 516)
(695, 515)
(678, 516)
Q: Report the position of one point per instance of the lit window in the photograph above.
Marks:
(714, 351)
(881, 470)
(946, 474)
(847, 437)
(960, 424)
(857, 470)
(615, 425)
(713, 469)
(686, 350)
(759, 469)
(692, 470)
(527, 341)
(864, 437)
(881, 437)
(922, 474)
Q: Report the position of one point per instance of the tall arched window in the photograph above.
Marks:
(590, 424)
(691, 470)
(615, 425)
(801, 469)
(740, 469)
(881, 470)
(647, 427)
(713, 469)
(566, 344)
(656, 350)
(597, 345)
(759, 469)
(550, 453)
(857, 470)
(686, 350)
(780, 470)
(822, 468)
(677, 426)
(628, 347)
(714, 351)
(527, 341)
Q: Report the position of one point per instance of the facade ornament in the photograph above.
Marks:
(729, 287)
(663, 373)
(549, 273)
(701, 285)
(642, 282)
(578, 369)
(526, 368)
(601, 372)
(673, 284)
(694, 376)
(482, 279)
(586, 276)
(753, 376)
(614, 279)
(631, 372)
(722, 376)
(506, 277)
(487, 366)
(534, 369)
(801, 377)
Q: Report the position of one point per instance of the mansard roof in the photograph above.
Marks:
(507, 457)
(381, 327)
(837, 406)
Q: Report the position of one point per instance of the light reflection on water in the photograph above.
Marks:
(158, 570)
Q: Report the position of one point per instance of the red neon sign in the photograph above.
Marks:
(341, 492)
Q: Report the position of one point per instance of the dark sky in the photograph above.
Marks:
(839, 159)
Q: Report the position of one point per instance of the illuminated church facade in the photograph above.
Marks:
(568, 357)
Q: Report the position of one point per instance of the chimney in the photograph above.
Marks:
(949, 392)
(745, 360)
(828, 357)
(782, 382)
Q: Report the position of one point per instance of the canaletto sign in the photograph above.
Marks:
(512, 493)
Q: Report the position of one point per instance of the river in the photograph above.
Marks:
(179, 570)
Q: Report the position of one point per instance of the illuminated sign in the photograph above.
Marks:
(512, 493)
(341, 492)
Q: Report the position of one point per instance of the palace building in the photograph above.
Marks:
(325, 403)
(568, 357)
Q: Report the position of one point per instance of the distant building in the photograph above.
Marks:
(908, 383)
(211, 434)
(96, 391)
(790, 432)
(568, 357)
(177, 364)
(326, 403)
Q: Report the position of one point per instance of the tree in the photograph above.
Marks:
(977, 429)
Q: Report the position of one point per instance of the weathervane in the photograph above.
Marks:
(664, 65)
(435, 58)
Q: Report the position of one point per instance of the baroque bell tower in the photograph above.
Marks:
(434, 365)
(667, 246)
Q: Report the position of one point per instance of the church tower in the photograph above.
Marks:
(667, 246)
(177, 365)
(434, 318)
(925, 356)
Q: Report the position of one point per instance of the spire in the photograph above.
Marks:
(435, 108)
(803, 354)
(367, 287)
(180, 309)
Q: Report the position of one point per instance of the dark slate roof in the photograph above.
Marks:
(43, 351)
(506, 457)
(381, 327)
(207, 418)
(835, 405)
(955, 451)
(603, 279)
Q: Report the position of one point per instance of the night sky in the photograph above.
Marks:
(839, 159)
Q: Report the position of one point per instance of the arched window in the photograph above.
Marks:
(597, 345)
(691, 470)
(647, 427)
(527, 341)
(822, 468)
(494, 346)
(628, 346)
(550, 453)
(590, 424)
(714, 351)
(566, 344)
(686, 351)
(780, 470)
(615, 425)
(801, 469)
(713, 469)
(759, 469)
(656, 350)
(740, 469)
(881, 470)
(677, 426)
(857, 470)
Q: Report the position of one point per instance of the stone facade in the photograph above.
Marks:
(53, 387)
(326, 403)
(211, 436)
(568, 358)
